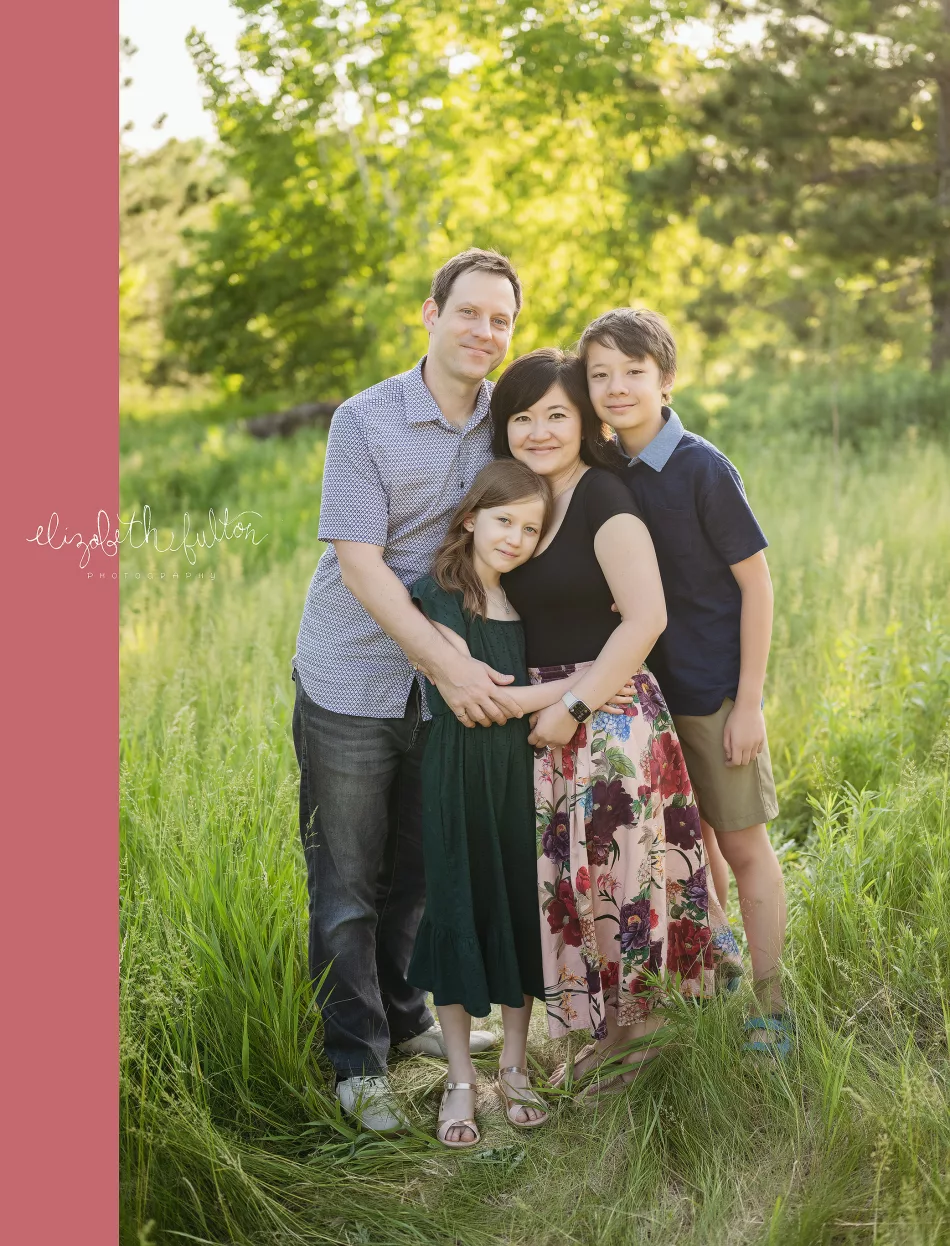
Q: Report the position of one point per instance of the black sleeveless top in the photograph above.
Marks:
(561, 594)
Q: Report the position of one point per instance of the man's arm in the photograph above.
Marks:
(535, 697)
(744, 734)
(467, 686)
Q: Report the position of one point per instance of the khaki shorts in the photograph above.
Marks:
(730, 798)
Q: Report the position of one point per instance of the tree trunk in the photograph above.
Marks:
(940, 272)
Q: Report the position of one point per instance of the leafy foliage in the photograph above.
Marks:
(780, 195)
(391, 135)
(822, 134)
(162, 194)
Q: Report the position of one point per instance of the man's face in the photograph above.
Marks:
(471, 335)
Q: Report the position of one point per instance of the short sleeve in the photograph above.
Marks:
(354, 505)
(438, 605)
(726, 515)
(605, 497)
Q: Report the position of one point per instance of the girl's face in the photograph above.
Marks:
(503, 537)
(548, 435)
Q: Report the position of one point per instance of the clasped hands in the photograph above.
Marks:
(477, 694)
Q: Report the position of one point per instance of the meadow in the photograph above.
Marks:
(230, 1131)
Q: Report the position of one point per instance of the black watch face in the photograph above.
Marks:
(579, 711)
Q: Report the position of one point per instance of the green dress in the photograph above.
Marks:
(479, 942)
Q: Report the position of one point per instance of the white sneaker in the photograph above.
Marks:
(370, 1100)
(432, 1043)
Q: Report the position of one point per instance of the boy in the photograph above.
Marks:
(710, 662)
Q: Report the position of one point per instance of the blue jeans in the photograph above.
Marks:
(361, 827)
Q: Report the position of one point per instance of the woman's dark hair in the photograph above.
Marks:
(527, 380)
(498, 484)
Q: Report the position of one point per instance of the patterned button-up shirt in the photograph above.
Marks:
(395, 471)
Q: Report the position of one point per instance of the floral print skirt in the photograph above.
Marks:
(627, 905)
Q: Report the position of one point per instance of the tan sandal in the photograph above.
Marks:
(467, 1123)
(559, 1076)
(617, 1082)
(530, 1100)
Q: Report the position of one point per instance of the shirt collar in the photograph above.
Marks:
(422, 408)
(657, 453)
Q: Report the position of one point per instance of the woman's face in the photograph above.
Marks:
(547, 436)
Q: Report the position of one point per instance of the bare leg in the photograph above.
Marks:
(761, 888)
(515, 1022)
(456, 1028)
(716, 862)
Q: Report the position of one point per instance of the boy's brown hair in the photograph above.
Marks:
(477, 260)
(639, 333)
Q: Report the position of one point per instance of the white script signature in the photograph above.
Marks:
(139, 532)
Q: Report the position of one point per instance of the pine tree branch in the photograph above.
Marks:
(768, 10)
(864, 171)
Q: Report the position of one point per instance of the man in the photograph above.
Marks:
(400, 456)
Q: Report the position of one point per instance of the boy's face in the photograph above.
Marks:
(627, 393)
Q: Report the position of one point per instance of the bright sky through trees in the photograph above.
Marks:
(164, 80)
(163, 75)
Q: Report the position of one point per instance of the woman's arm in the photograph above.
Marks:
(533, 697)
(625, 552)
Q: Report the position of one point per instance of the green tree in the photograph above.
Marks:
(828, 133)
(388, 135)
(162, 194)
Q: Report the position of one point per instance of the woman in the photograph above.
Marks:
(626, 902)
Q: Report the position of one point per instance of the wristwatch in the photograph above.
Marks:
(576, 707)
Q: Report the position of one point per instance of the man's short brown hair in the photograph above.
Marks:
(474, 259)
(636, 331)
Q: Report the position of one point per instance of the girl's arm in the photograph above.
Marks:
(533, 697)
(628, 561)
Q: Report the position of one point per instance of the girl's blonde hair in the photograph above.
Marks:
(498, 484)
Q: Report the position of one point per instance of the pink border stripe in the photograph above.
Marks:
(58, 1039)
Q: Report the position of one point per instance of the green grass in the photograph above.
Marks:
(230, 1132)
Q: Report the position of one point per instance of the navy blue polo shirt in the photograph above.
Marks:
(692, 500)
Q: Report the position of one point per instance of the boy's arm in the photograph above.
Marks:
(744, 734)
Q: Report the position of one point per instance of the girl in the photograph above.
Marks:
(479, 940)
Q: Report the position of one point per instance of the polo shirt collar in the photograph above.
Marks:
(422, 408)
(657, 453)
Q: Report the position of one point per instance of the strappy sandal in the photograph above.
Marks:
(514, 1101)
(617, 1082)
(559, 1075)
(779, 1024)
(468, 1122)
